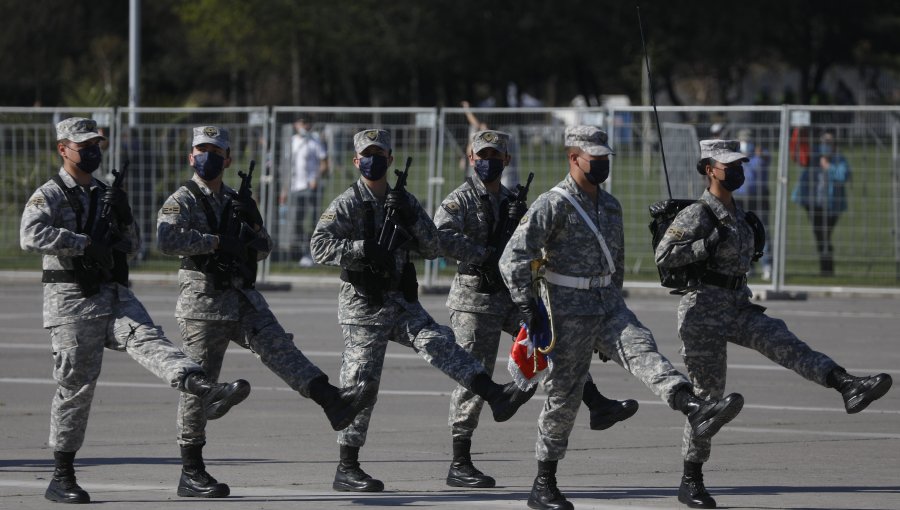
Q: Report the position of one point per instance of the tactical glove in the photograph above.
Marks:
(532, 317)
(603, 357)
(118, 203)
(663, 207)
(248, 211)
(399, 202)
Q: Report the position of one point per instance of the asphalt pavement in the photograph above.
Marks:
(793, 446)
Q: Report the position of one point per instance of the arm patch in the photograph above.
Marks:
(677, 233)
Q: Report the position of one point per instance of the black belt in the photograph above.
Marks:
(724, 280)
(58, 276)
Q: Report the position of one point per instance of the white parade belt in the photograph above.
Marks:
(578, 282)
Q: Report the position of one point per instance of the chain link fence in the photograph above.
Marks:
(825, 180)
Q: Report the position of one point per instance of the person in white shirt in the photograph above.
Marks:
(309, 165)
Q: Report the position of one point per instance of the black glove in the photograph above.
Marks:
(118, 203)
(533, 319)
(399, 201)
(603, 357)
(247, 210)
(232, 246)
(515, 210)
(100, 254)
(663, 207)
(378, 256)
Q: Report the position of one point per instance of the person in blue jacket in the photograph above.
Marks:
(822, 192)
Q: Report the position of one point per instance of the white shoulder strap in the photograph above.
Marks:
(587, 219)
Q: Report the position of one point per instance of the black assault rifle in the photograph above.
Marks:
(232, 225)
(491, 281)
(392, 235)
(106, 231)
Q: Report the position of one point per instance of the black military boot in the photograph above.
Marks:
(544, 494)
(707, 416)
(858, 392)
(692, 491)
(605, 412)
(195, 482)
(218, 398)
(342, 405)
(350, 477)
(63, 488)
(462, 472)
(504, 400)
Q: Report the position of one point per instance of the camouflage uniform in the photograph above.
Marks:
(368, 326)
(80, 327)
(478, 318)
(709, 316)
(584, 319)
(210, 318)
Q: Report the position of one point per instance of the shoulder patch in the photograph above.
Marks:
(524, 220)
(37, 201)
(451, 207)
(327, 216)
(677, 233)
(171, 209)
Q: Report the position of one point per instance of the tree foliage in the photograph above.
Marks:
(437, 52)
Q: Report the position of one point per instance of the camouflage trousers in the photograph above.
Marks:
(78, 357)
(205, 341)
(364, 349)
(564, 384)
(706, 323)
(622, 338)
(479, 335)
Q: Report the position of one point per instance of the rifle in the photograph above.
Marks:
(235, 226)
(392, 235)
(521, 196)
(106, 231)
(491, 281)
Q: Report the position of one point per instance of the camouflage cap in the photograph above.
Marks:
(211, 134)
(590, 139)
(367, 138)
(77, 129)
(489, 138)
(723, 151)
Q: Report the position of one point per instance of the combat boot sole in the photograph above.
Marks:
(861, 401)
(226, 398)
(513, 398)
(729, 407)
(612, 414)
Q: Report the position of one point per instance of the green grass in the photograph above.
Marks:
(863, 238)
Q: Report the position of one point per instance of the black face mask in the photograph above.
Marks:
(208, 165)
(599, 171)
(90, 158)
(373, 167)
(734, 178)
(488, 170)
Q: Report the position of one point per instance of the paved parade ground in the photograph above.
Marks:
(793, 446)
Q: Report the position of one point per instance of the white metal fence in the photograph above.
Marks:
(864, 242)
